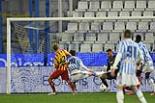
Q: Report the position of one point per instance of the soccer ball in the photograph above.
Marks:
(103, 88)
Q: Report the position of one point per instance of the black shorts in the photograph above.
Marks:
(109, 76)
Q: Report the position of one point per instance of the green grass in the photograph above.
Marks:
(69, 98)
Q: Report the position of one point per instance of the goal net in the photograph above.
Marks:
(30, 55)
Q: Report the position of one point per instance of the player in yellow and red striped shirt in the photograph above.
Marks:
(61, 65)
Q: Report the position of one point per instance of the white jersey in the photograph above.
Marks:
(147, 58)
(75, 63)
(145, 52)
(128, 55)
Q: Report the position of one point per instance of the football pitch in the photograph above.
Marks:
(69, 98)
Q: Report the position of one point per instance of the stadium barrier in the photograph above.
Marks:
(23, 60)
(28, 74)
(34, 79)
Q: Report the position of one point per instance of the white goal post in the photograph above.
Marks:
(13, 19)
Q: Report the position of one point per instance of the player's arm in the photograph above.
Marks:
(67, 53)
(147, 54)
(117, 58)
(140, 60)
(140, 56)
(56, 64)
(82, 65)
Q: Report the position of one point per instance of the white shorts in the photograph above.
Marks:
(127, 80)
(78, 75)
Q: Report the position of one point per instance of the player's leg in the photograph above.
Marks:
(104, 77)
(134, 82)
(139, 94)
(71, 84)
(129, 90)
(151, 82)
(149, 69)
(104, 81)
(79, 74)
(119, 93)
(53, 76)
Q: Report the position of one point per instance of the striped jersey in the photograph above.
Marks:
(145, 52)
(130, 54)
(75, 63)
(60, 60)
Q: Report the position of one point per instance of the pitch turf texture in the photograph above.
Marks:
(69, 98)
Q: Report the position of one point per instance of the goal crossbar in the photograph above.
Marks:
(77, 18)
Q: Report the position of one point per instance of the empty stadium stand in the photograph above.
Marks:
(94, 36)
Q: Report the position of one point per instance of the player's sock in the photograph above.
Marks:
(151, 81)
(51, 83)
(72, 86)
(104, 82)
(120, 96)
(154, 88)
(140, 96)
(53, 87)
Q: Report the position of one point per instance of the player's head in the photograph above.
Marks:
(55, 47)
(72, 52)
(138, 38)
(109, 52)
(127, 34)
